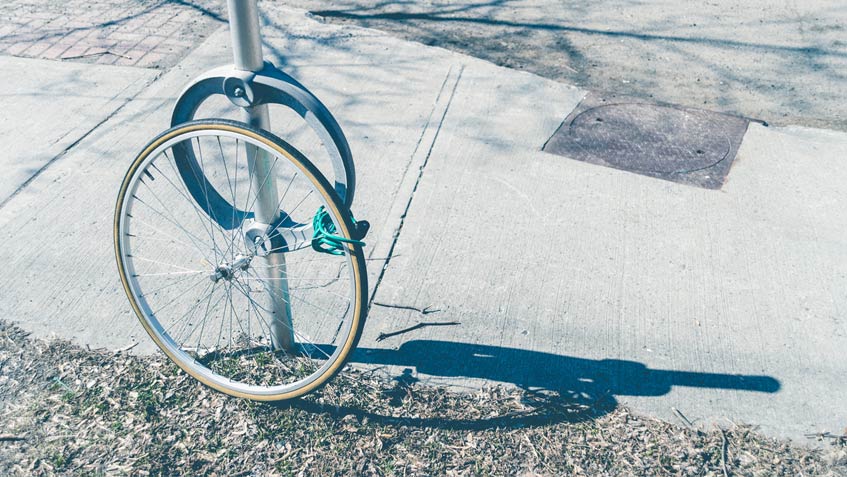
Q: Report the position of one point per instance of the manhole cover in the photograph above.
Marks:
(683, 145)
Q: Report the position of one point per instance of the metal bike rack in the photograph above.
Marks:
(251, 84)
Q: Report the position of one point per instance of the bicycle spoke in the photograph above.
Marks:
(197, 212)
(186, 317)
(211, 303)
(270, 289)
(296, 333)
(189, 234)
(149, 260)
(167, 274)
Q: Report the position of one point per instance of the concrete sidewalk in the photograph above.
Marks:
(548, 272)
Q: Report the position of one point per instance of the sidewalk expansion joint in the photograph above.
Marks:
(452, 86)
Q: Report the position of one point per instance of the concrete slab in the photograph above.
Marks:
(49, 105)
(388, 96)
(608, 285)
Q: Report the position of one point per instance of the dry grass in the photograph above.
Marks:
(65, 410)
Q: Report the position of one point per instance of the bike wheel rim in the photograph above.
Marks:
(152, 324)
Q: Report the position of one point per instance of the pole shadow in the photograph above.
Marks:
(557, 388)
(564, 374)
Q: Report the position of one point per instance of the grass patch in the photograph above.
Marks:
(130, 415)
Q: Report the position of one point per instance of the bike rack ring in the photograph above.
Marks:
(268, 86)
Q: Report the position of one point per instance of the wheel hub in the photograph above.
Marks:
(227, 271)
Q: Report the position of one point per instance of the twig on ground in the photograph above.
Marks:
(126, 348)
(836, 438)
(424, 311)
(99, 53)
(11, 438)
(61, 383)
(683, 419)
(384, 336)
(373, 259)
(569, 69)
(724, 445)
(532, 447)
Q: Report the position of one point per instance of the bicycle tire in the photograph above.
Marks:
(160, 220)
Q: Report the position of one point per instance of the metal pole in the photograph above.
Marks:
(247, 55)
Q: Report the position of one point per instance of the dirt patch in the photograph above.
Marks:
(67, 410)
(781, 64)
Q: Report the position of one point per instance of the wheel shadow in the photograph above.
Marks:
(556, 388)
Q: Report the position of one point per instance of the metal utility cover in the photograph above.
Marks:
(689, 146)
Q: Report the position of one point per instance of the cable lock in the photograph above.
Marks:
(324, 239)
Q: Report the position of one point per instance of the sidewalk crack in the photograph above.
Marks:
(421, 170)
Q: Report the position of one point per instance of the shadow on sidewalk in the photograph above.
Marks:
(439, 16)
(559, 388)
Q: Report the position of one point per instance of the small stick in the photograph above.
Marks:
(531, 447)
(423, 311)
(684, 419)
(384, 336)
(569, 68)
(59, 382)
(99, 53)
(723, 452)
(11, 438)
(828, 435)
(381, 258)
(126, 348)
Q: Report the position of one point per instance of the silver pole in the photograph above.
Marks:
(247, 55)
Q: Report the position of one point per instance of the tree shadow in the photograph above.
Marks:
(809, 51)
(755, 73)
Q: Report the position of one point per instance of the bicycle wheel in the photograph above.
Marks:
(237, 295)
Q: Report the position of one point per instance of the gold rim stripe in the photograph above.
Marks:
(329, 201)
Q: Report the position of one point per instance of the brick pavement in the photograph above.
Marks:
(143, 33)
